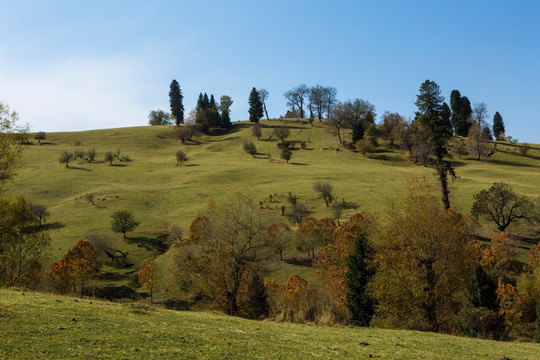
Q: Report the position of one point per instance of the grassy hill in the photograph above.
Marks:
(39, 326)
(161, 194)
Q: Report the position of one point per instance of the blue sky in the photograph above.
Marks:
(74, 65)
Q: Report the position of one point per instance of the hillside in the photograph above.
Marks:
(162, 195)
(40, 326)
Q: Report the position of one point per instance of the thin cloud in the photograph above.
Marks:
(75, 93)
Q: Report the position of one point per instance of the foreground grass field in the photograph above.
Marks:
(40, 326)
(162, 195)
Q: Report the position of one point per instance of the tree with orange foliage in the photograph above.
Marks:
(422, 267)
(74, 269)
(278, 237)
(147, 278)
(223, 255)
(498, 258)
(312, 233)
(197, 228)
(296, 299)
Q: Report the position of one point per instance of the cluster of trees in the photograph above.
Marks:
(317, 99)
(90, 155)
(420, 268)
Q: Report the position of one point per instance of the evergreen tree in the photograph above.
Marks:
(175, 99)
(437, 130)
(461, 111)
(255, 106)
(357, 131)
(360, 303)
(498, 125)
(200, 102)
(206, 101)
(212, 102)
(482, 289)
(257, 298)
(224, 106)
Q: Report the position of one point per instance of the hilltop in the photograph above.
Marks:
(162, 195)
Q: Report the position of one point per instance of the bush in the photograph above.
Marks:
(109, 156)
(65, 158)
(91, 154)
(282, 132)
(249, 147)
(180, 157)
(286, 154)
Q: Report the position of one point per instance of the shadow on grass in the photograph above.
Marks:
(158, 243)
(510, 163)
(78, 168)
(299, 261)
(190, 165)
(116, 292)
(299, 164)
(51, 226)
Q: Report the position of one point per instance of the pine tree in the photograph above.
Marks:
(255, 106)
(206, 101)
(200, 102)
(482, 289)
(257, 298)
(175, 99)
(498, 126)
(357, 132)
(461, 111)
(359, 274)
(437, 130)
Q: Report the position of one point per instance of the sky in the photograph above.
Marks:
(80, 65)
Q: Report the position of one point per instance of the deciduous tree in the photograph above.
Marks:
(65, 157)
(159, 117)
(40, 136)
(123, 221)
(224, 254)
(326, 191)
(263, 94)
(181, 157)
(278, 237)
(147, 276)
(296, 98)
(286, 154)
(22, 245)
(225, 104)
(502, 205)
(422, 263)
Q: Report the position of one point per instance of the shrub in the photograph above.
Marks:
(286, 154)
(249, 147)
(180, 157)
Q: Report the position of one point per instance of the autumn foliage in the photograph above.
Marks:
(74, 269)
(296, 300)
(147, 278)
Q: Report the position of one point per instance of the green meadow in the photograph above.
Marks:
(41, 326)
(161, 194)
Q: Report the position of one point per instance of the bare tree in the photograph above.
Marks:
(263, 94)
(296, 98)
(326, 191)
(316, 100)
(330, 99)
(477, 143)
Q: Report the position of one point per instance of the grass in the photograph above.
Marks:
(40, 326)
(161, 194)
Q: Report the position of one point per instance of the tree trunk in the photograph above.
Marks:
(443, 178)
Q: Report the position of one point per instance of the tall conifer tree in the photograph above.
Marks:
(498, 125)
(255, 106)
(176, 100)
(360, 271)
(437, 130)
